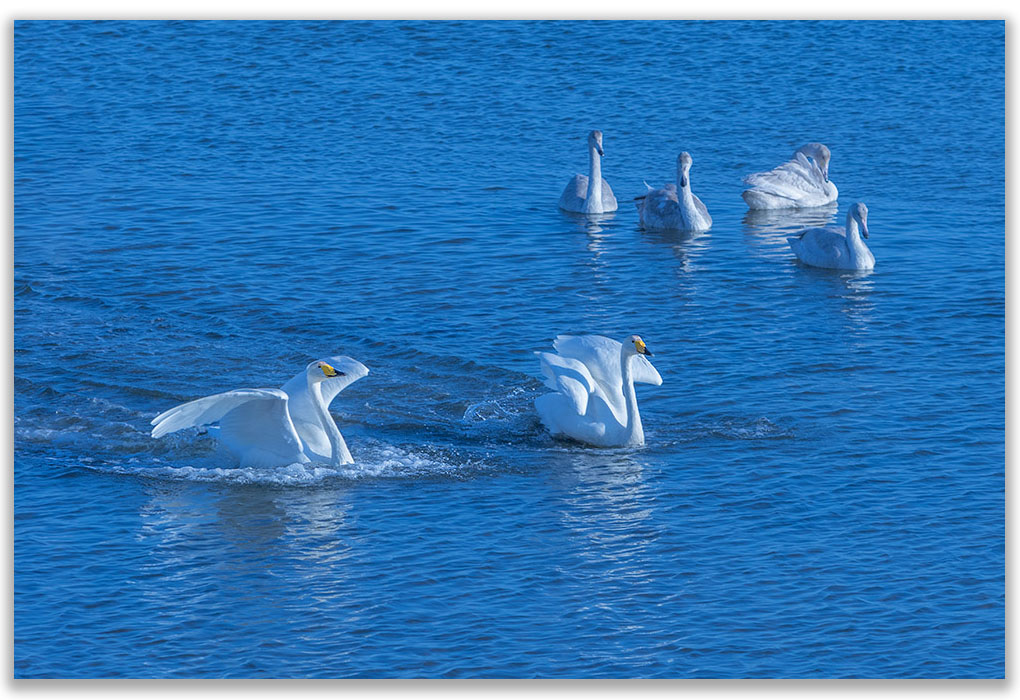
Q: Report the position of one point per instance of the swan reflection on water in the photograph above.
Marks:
(766, 230)
(775, 225)
(609, 492)
(687, 246)
(849, 289)
(597, 228)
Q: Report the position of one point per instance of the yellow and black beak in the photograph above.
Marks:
(330, 371)
(642, 348)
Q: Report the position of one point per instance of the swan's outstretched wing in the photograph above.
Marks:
(569, 377)
(601, 356)
(254, 423)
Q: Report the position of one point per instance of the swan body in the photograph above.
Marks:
(670, 208)
(590, 194)
(593, 399)
(802, 181)
(837, 247)
(275, 427)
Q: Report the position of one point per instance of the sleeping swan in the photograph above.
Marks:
(589, 194)
(592, 378)
(275, 427)
(669, 209)
(802, 181)
(835, 246)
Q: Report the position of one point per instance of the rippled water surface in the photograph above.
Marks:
(206, 206)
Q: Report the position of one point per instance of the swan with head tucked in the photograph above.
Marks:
(835, 246)
(590, 194)
(672, 209)
(592, 378)
(275, 427)
(802, 181)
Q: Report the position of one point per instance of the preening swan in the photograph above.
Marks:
(802, 181)
(590, 194)
(835, 246)
(593, 380)
(667, 209)
(275, 427)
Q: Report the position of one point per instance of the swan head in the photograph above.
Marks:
(820, 152)
(320, 371)
(636, 346)
(860, 212)
(595, 141)
(683, 166)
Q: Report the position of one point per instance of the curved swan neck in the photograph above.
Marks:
(853, 236)
(340, 453)
(851, 226)
(635, 434)
(593, 199)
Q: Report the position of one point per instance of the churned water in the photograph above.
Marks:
(206, 206)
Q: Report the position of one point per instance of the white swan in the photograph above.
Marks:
(593, 380)
(667, 209)
(275, 427)
(835, 246)
(802, 181)
(590, 194)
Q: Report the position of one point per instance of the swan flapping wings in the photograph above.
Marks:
(275, 427)
(590, 399)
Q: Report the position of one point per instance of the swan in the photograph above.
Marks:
(836, 246)
(802, 181)
(590, 194)
(275, 427)
(667, 209)
(592, 378)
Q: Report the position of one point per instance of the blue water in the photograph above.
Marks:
(205, 206)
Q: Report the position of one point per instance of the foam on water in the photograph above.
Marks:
(375, 460)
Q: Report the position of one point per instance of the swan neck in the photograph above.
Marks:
(593, 199)
(339, 452)
(853, 236)
(635, 434)
(686, 196)
(685, 191)
(851, 226)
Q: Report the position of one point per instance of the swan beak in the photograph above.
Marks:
(864, 229)
(825, 174)
(599, 149)
(683, 181)
(642, 349)
(331, 371)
